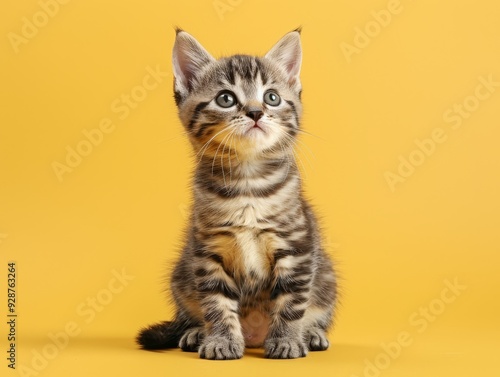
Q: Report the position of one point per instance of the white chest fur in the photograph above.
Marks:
(253, 255)
(246, 217)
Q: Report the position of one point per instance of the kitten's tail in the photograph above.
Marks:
(162, 335)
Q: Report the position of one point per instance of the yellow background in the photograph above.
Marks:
(123, 206)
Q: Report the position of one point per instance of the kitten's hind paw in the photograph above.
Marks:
(316, 340)
(284, 348)
(220, 348)
(191, 340)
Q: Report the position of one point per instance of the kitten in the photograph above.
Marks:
(252, 272)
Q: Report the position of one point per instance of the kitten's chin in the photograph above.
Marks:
(256, 138)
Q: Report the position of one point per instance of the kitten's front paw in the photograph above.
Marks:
(220, 348)
(284, 348)
(316, 340)
(191, 340)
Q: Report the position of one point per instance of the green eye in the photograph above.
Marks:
(226, 99)
(272, 98)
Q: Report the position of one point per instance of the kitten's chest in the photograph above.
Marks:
(248, 214)
(248, 239)
(254, 244)
(254, 255)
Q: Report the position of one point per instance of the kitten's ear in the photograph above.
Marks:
(188, 57)
(288, 54)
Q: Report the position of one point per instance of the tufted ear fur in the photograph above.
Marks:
(188, 58)
(287, 53)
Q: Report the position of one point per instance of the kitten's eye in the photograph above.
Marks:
(272, 98)
(226, 99)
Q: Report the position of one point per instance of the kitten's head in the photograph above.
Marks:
(246, 103)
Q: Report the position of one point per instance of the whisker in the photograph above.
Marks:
(229, 158)
(182, 134)
(301, 164)
(216, 152)
(298, 149)
(286, 157)
(310, 134)
(205, 146)
(213, 137)
(296, 146)
(236, 151)
(309, 150)
(225, 140)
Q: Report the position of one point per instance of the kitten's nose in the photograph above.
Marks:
(255, 114)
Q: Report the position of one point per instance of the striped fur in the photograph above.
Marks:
(253, 271)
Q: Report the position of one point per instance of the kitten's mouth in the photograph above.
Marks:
(255, 128)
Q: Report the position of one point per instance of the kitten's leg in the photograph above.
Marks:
(316, 339)
(192, 338)
(290, 299)
(219, 303)
(316, 323)
(319, 315)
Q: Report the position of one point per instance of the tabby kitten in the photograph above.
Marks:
(253, 271)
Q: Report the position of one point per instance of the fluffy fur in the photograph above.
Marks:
(253, 271)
